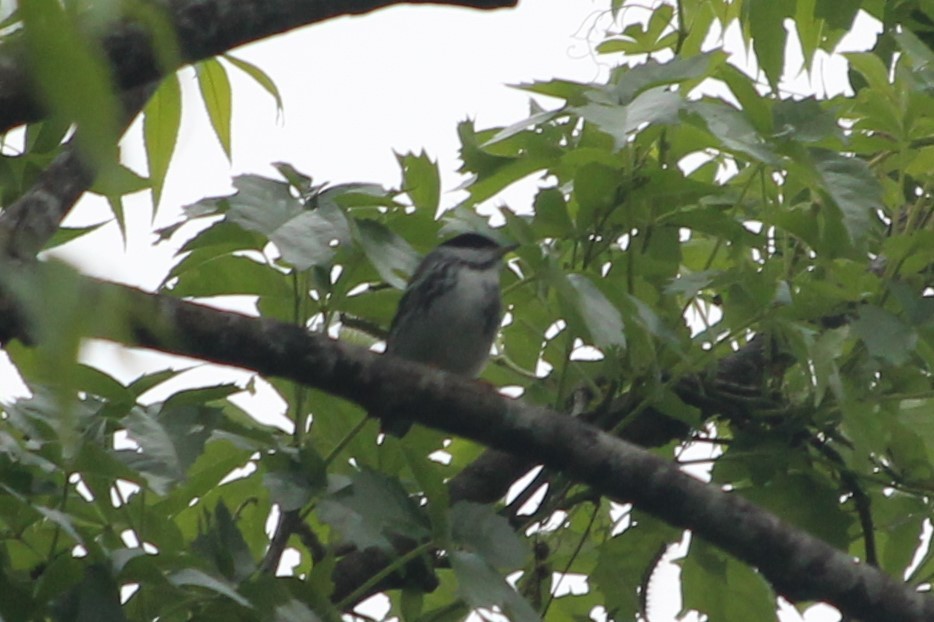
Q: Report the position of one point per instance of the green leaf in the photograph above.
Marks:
(290, 482)
(731, 127)
(482, 587)
(494, 172)
(192, 577)
(73, 77)
(723, 588)
(223, 543)
(162, 117)
(804, 120)
(64, 235)
(228, 275)
(421, 181)
(97, 597)
(305, 237)
(885, 335)
(657, 106)
(839, 14)
(915, 416)
(631, 81)
(551, 217)
(853, 188)
(391, 255)
(350, 511)
(625, 560)
(822, 515)
(595, 189)
(767, 26)
(170, 439)
(602, 319)
(216, 94)
(476, 527)
(260, 76)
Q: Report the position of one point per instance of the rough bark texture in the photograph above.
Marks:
(204, 28)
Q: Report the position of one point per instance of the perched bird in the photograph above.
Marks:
(450, 311)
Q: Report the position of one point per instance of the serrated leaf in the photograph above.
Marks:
(629, 82)
(884, 334)
(305, 237)
(171, 440)
(657, 106)
(478, 528)
(625, 560)
(723, 588)
(767, 26)
(551, 217)
(351, 511)
(223, 543)
(421, 181)
(482, 587)
(731, 127)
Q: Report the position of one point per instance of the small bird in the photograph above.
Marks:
(450, 311)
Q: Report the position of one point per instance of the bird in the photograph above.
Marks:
(450, 311)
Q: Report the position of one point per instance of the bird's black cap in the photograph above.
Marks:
(471, 240)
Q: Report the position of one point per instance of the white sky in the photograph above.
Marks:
(355, 90)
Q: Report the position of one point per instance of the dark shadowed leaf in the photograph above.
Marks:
(478, 528)
(393, 257)
(854, 189)
(192, 577)
(722, 587)
(481, 586)
(350, 511)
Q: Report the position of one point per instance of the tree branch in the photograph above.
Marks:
(799, 566)
(204, 28)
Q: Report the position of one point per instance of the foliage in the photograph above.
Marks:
(684, 211)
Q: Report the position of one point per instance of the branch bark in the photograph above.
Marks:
(799, 566)
(203, 28)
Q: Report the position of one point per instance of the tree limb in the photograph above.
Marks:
(798, 565)
(203, 28)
